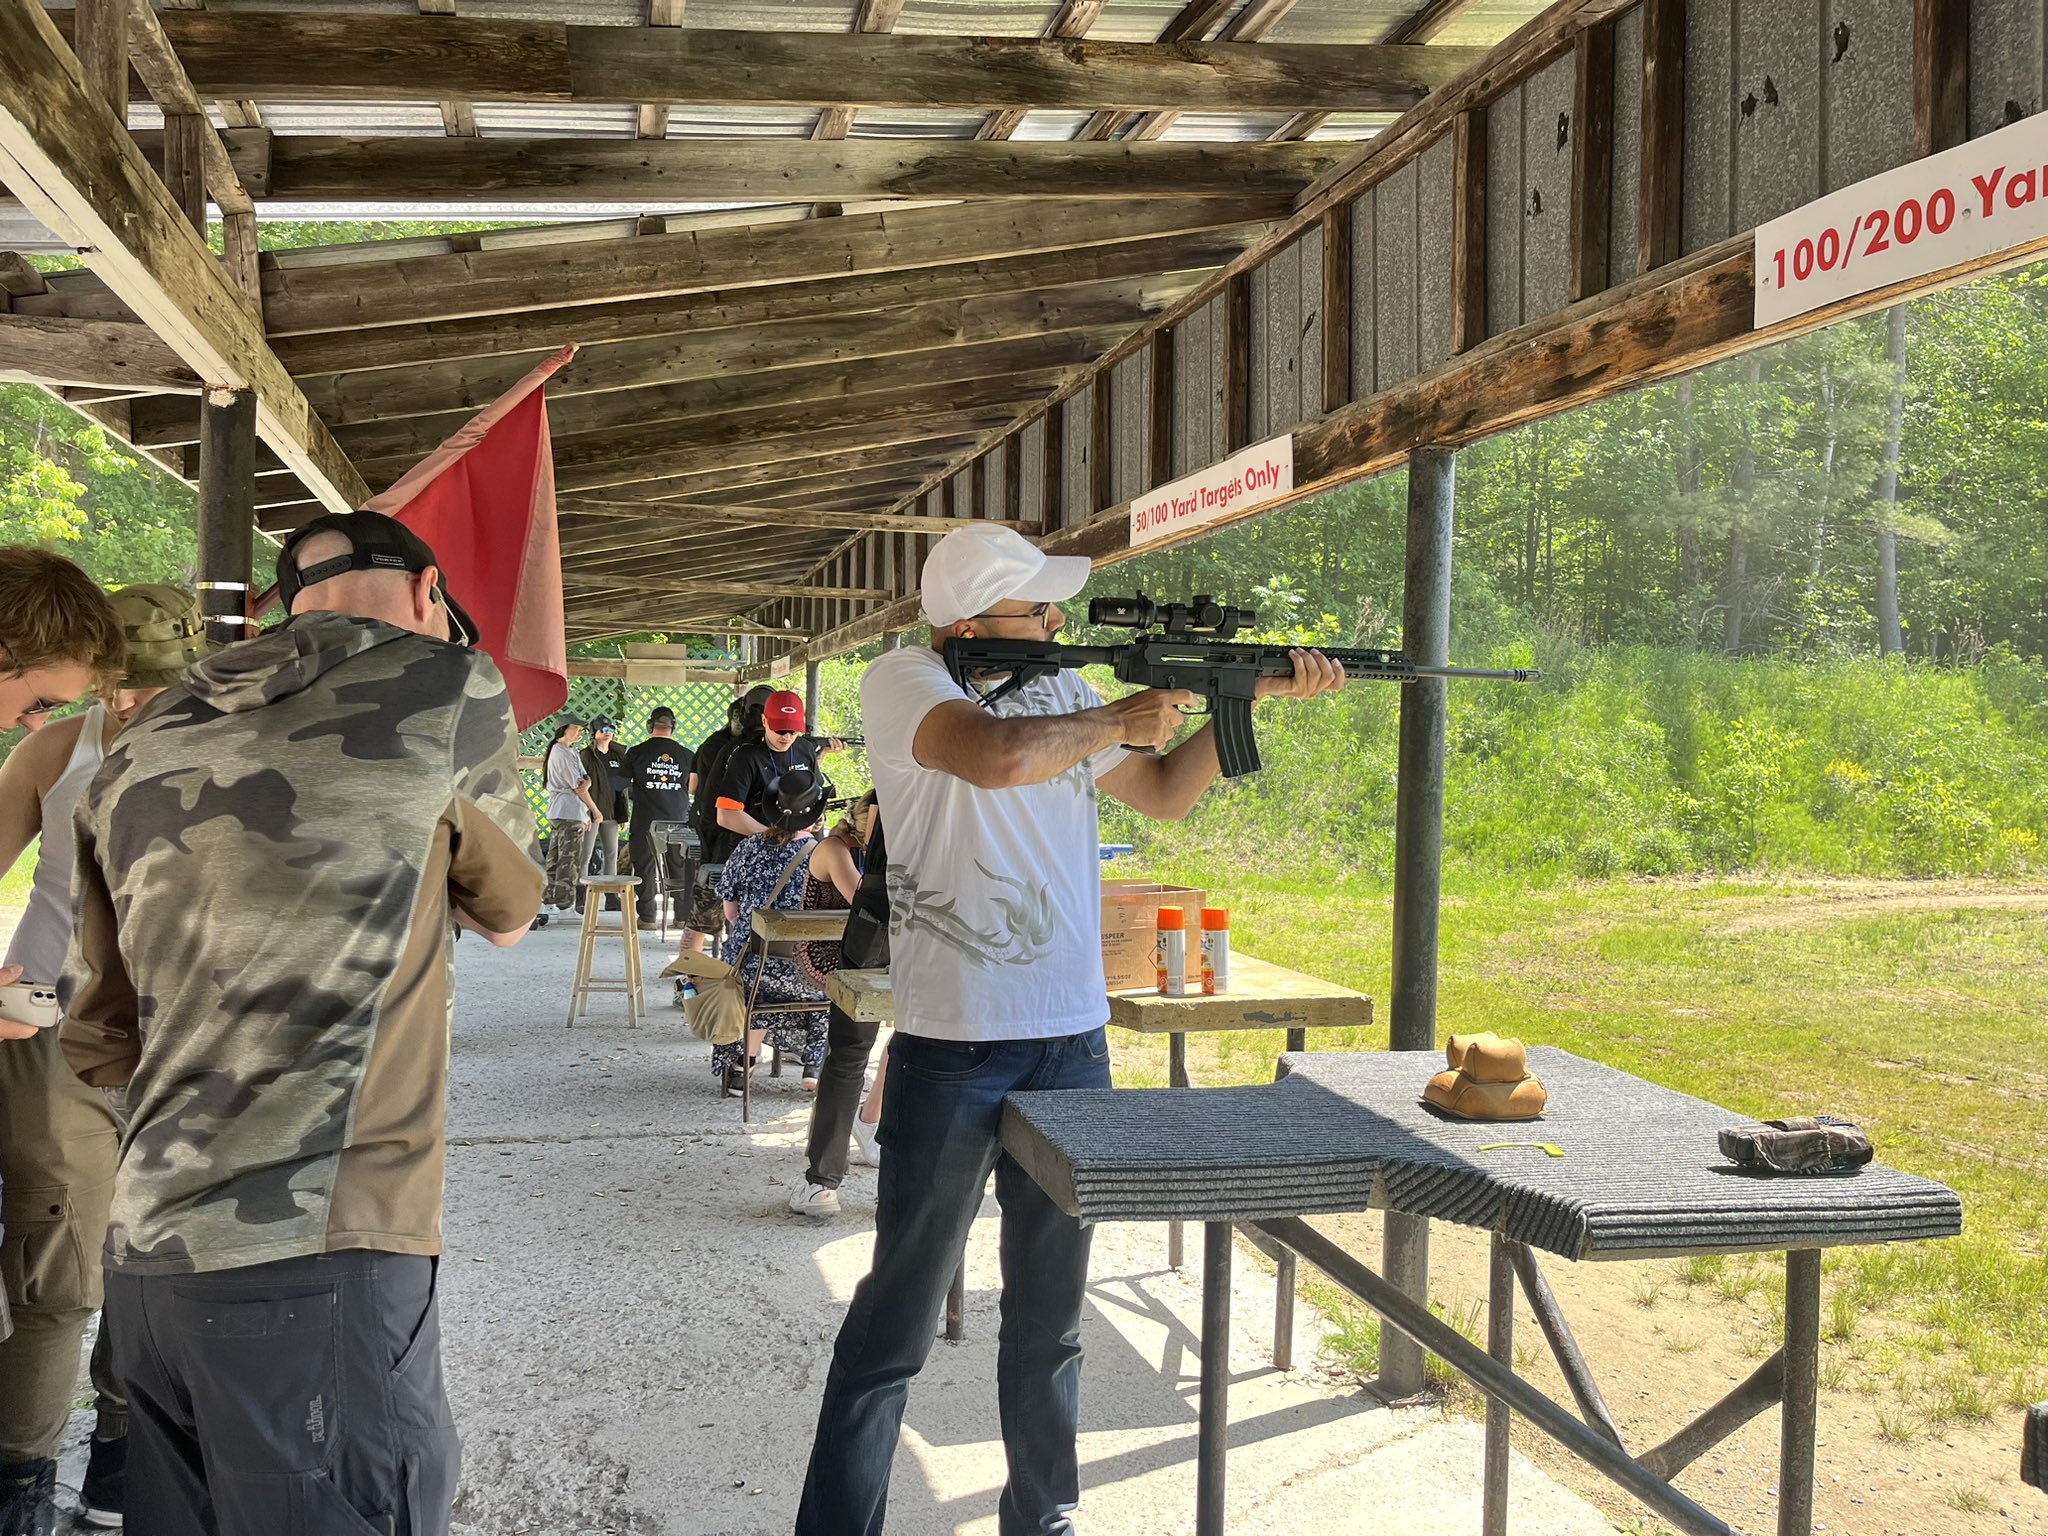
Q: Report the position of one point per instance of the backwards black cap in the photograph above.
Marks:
(377, 543)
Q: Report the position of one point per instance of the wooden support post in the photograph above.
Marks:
(1159, 428)
(811, 696)
(1592, 159)
(1468, 229)
(1101, 484)
(101, 42)
(185, 165)
(1013, 477)
(1337, 307)
(1418, 850)
(977, 487)
(227, 510)
(1237, 362)
(1659, 215)
(1941, 74)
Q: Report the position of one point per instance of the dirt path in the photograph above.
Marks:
(1662, 1351)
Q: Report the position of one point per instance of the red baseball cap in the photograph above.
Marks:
(784, 711)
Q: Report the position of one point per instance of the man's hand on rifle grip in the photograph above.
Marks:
(1151, 716)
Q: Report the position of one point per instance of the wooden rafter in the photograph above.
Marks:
(423, 288)
(310, 56)
(558, 170)
(651, 118)
(1420, 27)
(725, 588)
(735, 351)
(1071, 20)
(106, 353)
(70, 160)
(657, 514)
(1050, 273)
(835, 123)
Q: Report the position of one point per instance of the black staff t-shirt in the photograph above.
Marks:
(658, 769)
(753, 772)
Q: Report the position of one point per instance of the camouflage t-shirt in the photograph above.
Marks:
(266, 865)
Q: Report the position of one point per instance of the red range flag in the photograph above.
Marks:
(485, 500)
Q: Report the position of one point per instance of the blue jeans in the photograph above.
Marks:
(941, 1115)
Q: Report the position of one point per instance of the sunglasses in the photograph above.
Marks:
(1035, 613)
(39, 706)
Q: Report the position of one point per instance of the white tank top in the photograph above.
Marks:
(43, 937)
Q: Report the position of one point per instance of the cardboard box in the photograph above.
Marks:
(1130, 928)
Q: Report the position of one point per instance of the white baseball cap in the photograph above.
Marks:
(971, 569)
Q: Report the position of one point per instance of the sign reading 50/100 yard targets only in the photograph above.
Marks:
(1230, 487)
(1949, 210)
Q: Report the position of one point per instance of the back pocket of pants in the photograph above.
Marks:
(263, 1376)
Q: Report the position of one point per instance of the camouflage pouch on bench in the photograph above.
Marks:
(1808, 1144)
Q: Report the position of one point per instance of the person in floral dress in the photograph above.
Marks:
(746, 884)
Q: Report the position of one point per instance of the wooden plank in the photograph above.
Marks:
(339, 170)
(100, 39)
(1159, 430)
(1237, 358)
(1051, 274)
(816, 471)
(308, 56)
(1941, 74)
(1054, 469)
(1072, 19)
(1660, 227)
(105, 353)
(1101, 484)
(858, 443)
(836, 123)
(935, 373)
(654, 513)
(420, 288)
(185, 166)
(72, 163)
(1261, 996)
(1592, 159)
(724, 588)
(150, 51)
(738, 350)
(1336, 280)
(1257, 19)
(240, 255)
(1468, 230)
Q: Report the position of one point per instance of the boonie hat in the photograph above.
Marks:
(378, 543)
(784, 711)
(971, 569)
(165, 632)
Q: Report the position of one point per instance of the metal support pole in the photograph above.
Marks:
(1212, 1439)
(1800, 1419)
(227, 510)
(1418, 849)
(811, 695)
(1283, 1311)
(1500, 1344)
(1176, 1077)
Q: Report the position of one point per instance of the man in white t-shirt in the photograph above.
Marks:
(996, 960)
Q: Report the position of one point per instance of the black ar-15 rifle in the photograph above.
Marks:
(1185, 645)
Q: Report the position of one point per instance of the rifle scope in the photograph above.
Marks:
(1201, 616)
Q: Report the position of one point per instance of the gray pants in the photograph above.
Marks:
(298, 1398)
(607, 840)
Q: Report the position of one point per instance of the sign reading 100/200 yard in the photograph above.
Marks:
(1230, 487)
(1949, 211)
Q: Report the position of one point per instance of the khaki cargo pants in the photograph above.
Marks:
(59, 1144)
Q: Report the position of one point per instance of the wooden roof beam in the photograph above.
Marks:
(817, 473)
(107, 354)
(935, 373)
(656, 514)
(835, 123)
(635, 475)
(422, 288)
(338, 170)
(311, 56)
(731, 352)
(756, 589)
(1421, 26)
(70, 160)
(1071, 20)
(1051, 273)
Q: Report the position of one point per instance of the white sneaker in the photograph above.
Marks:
(866, 1149)
(815, 1200)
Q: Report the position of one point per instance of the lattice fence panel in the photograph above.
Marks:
(699, 707)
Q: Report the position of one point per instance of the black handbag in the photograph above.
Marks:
(865, 946)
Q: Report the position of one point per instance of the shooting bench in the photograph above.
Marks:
(1642, 1177)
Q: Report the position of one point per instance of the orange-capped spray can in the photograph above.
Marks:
(1171, 954)
(1215, 950)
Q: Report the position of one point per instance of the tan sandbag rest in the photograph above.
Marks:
(1489, 1079)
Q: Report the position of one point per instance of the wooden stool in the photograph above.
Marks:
(595, 889)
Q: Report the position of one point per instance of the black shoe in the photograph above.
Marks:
(100, 1496)
(540, 921)
(28, 1498)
